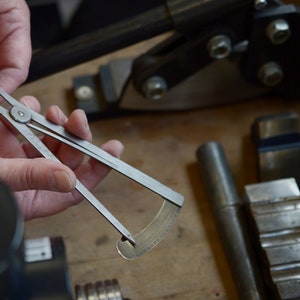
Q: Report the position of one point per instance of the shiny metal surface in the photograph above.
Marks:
(277, 141)
(154, 88)
(270, 126)
(36, 142)
(278, 31)
(101, 290)
(20, 115)
(114, 163)
(230, 219)
(220, 82)
(270, 74)
(59, 133)
(219, 47)
(150, 236)
(275, 213)
(260, 4)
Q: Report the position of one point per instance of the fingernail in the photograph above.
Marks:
(25, 102)
(60, 114)
(87, 127)
(60, 181)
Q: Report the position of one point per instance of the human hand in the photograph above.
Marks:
(43, 187)
(15, 43)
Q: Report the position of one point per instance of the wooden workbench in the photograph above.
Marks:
(189, 263)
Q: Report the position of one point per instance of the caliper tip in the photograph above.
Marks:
(128, 237)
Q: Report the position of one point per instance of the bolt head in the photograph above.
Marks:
(278, 31)
(84, 93)
(219, 47)
(270, 74)
(20, 115)
(260, 4)
(155, 87)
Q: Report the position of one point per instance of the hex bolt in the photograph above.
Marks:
(278, 31)
(219, 47)
(84, 93)
(260, 4)
(270, 74)
(155, 87)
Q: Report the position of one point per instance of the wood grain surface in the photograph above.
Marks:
(189, 263)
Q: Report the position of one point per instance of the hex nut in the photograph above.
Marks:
(154, 88)
(84, 93)
(278, 31)
(260, 4)
(270, 74)
(219, 47)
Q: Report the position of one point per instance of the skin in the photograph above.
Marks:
(42, 187)
(15, 44)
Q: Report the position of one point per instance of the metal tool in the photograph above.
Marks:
(273, 211)
(277, 142)
(227, 208)
(215, 52)
(260, 233)
(23, 119)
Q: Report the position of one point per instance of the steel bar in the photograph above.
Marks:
(227, 209)
(103, 41)
(190, 16)
(163, 18)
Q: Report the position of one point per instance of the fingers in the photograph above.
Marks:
(12, 147)
(30, 174)
(91, 173)
(99, 170)
(56, 115)
(76, 124)
(73, 124)
(31, 102)
(15, 45)
(113, 147)
(36, 174)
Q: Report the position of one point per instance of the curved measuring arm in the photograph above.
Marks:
(151, 235)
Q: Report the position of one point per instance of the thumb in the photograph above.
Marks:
(36, 174)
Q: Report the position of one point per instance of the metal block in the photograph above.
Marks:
(274, 215)
(277, 141)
